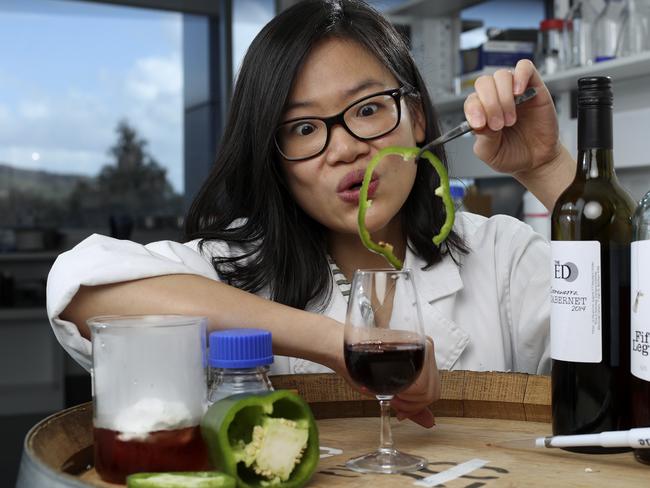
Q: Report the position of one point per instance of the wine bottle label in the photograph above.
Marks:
(576, 325)
(640, 313)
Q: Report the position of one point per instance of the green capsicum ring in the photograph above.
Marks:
(199, 479)
(442, 191)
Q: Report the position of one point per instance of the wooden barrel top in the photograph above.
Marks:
(490, 395)
(477, 410)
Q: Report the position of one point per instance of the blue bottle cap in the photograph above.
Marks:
(240, 348)
(456, 191)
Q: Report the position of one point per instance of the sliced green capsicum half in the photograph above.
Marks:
(267, 439)
(180, 479)
(443, 192)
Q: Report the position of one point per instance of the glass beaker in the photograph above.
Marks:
(149, 394)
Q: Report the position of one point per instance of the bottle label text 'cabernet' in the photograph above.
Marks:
(576, 332)
(640, 319)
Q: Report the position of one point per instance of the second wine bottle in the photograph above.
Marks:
(590, 281)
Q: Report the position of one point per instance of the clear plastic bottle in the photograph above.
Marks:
(578, 38)
(640, 321)
(239, 362)
(607, 30)
(634, 36)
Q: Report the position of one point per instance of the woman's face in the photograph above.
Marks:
(336, 74)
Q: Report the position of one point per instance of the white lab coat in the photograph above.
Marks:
(491, 313)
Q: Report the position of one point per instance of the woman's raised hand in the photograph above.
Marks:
(521, 140)
(510, 139)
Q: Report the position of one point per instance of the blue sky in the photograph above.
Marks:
(69, 71)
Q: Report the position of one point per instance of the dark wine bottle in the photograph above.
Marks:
(590, 281)
(640, 322)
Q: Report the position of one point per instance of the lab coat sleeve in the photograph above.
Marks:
(528, 299)
(101, 260)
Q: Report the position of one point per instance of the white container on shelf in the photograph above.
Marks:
(579, 38)
(537, 215)
(607, 30)
(634, 37)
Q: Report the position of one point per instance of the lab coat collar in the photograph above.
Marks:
(441, 280)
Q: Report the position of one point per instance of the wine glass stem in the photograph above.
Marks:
(386, 437)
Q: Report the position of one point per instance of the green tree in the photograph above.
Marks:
(132, 184)
(134, 180)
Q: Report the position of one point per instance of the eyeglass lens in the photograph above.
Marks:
(370, 118)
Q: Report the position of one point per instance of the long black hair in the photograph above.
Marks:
(245, 201)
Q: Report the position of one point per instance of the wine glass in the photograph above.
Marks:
(384, 353)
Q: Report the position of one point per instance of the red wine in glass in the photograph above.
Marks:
(384, 368)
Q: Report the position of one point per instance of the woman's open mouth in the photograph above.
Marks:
(350, 186)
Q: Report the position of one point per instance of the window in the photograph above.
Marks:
(91, 118)
(249, 16)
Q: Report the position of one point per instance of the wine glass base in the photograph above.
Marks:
(386, 461)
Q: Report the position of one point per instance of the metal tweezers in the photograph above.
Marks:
(464, 128)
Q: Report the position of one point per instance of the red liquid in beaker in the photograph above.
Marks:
(162, 450)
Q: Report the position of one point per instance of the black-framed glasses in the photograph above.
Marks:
(368, 118)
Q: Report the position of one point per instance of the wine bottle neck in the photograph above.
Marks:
(596, 163)
(595, 128)
(595, 142)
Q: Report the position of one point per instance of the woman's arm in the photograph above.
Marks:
(547, 182)
(106, 276)
(295, 332)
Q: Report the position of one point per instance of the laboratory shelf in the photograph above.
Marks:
(618, 69)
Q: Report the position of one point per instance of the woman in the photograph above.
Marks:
(277, 214)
